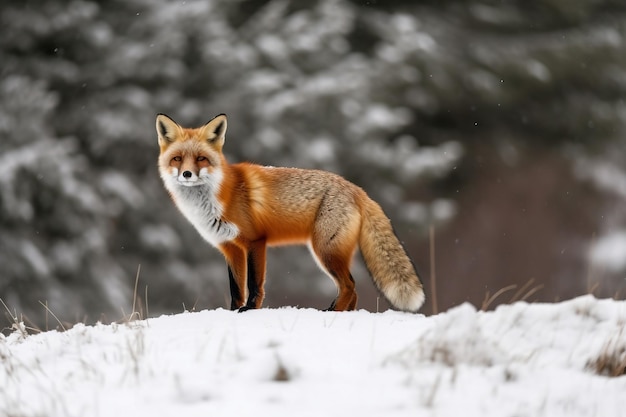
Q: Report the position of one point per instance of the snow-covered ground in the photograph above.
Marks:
(520, 360)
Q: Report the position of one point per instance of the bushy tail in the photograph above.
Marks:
(387, 261)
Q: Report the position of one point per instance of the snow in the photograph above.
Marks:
(519, 360)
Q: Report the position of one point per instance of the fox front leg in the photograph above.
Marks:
(237, 274)
(246, 274)
(256, 275)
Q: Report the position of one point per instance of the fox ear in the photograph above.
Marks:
(215, 130)
(167, 129)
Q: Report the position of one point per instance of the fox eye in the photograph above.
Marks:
(201, 158)
(177, 159)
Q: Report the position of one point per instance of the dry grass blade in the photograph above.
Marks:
(433, 276)
(30, 325)
(522, 294)
(531, 292)
(137, 312)
(134, 312)
(518, 294)
(595, 270)
(146, 297)
(490, 299)
(13, 317)
(593, 288)
(45, 305)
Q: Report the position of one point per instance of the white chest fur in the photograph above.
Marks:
(201, 207)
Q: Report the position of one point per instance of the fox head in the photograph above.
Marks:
(191, 157)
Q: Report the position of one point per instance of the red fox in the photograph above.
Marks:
(242, 208)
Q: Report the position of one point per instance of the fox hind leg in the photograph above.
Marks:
(346, 297)
(346, 294)
(333, 249)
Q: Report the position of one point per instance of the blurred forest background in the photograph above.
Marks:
(499, 123)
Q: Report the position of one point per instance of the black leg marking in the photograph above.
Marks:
(235, 293)
(253, 286)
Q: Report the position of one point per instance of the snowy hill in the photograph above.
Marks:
(520, 360)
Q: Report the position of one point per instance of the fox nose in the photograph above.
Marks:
(187, 174)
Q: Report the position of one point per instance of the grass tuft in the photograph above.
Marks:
(282, 374)
(433, 272)
(522, 294)
(139, 312)
(17, 323)
(611, 361)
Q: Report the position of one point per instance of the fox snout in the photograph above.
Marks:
(186, 177)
